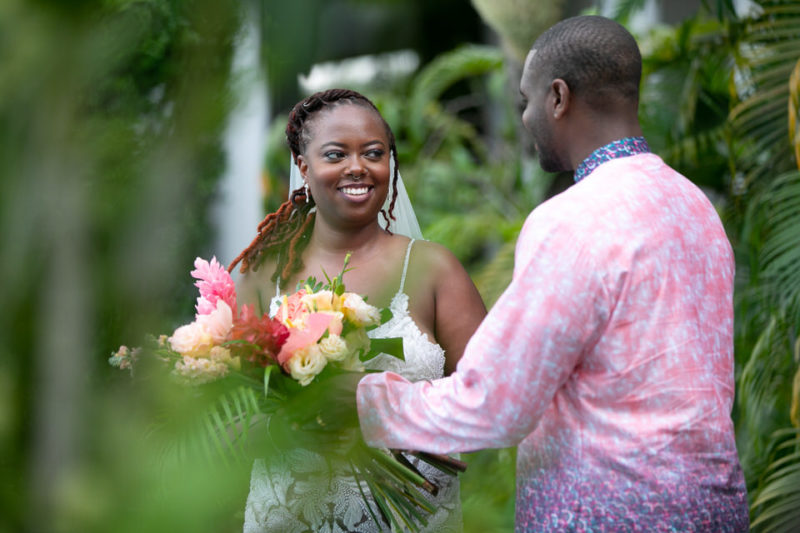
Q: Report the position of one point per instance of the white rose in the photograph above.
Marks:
(306, 363)
(199, 370)
(334, 348)
(359, 312)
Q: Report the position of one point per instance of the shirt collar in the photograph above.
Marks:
(620, 148)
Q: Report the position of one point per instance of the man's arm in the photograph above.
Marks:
(524, 350)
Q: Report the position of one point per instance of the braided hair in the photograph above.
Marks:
(285, 233)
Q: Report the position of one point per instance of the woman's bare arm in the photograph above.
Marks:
(459, 308)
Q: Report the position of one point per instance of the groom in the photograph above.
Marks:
(609, 358)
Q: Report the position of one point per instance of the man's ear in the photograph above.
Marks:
(562, 97)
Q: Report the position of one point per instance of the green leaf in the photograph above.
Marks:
(267, 373)
(392, 346)
(386, 315)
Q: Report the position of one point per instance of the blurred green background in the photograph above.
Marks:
(116, 140)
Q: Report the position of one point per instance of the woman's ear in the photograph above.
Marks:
(302, 166)
(561, 97)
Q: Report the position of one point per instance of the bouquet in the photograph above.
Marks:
(267, 374)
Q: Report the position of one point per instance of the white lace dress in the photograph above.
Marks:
(303, 493)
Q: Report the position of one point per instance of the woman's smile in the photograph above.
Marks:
(357, 193)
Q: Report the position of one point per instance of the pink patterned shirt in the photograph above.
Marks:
(608, 360)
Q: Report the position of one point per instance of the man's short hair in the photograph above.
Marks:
(597, 58)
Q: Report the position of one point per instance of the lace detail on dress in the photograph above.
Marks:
(423, 359)
(303, 492)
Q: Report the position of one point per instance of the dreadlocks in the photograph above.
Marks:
(285, 233)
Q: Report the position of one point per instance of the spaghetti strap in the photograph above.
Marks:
(405, 265)
(278, 281)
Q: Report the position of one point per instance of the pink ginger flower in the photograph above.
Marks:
(215, 283)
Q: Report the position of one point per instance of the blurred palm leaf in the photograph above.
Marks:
(443, 72)
(768, 54)
(623, 9)
(493, 278)
(761, 409)
(227, 424)
(776, 504)
(780, 255)
(685, 98)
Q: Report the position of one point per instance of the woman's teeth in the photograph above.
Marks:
(355, 191)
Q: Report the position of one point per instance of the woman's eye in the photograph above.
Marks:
(333, 155)
(375, 154)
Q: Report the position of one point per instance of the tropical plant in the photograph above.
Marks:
(767, 196)
(110, 120)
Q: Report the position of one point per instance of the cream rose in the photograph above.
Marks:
(306, 363)
(192, 339)
(334, 348)
(359, 312)
(322, 301)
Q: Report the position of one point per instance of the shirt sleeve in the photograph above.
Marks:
(523, 351)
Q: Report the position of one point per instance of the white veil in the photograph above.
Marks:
(405, 222)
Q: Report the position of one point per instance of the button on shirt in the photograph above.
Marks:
(608, 360)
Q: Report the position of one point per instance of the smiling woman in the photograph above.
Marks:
(346, 157)
(346, 166)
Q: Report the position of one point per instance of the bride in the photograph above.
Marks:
(347, 197)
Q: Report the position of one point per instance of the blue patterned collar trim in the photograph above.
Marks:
(621, 148)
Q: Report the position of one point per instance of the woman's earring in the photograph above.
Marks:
(306, 190)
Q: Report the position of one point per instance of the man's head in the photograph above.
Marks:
(578, 71)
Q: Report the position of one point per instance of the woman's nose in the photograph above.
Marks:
(356, 167)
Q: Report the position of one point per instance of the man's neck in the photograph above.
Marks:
(598, 131)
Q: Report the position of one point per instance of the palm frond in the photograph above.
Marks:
(780, 255)
(776, 503)
(227, 423)
(768, 55)
(762, 406)
(493, 278)
(464, 232)
(444, 71)
(624, 9)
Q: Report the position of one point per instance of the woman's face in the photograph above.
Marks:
(346, 164)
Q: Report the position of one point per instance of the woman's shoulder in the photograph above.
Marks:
(434, 255)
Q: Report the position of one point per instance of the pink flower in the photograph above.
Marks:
(314, 328)
(266, 335)
(293, 310)
(218, 323)
(215, 283)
